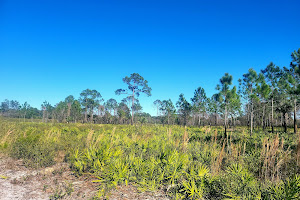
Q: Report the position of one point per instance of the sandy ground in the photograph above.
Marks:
(56, 182)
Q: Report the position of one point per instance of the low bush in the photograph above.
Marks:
(191, 163)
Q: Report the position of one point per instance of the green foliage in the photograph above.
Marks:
(34, 152)
(168, 110)
(136, 86)
(90, 99)
(191, 163)
(184, 109)
(241, 183)
(286, 190)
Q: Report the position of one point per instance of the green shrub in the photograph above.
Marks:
(33, 152)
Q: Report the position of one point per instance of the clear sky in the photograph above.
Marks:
(50, 49)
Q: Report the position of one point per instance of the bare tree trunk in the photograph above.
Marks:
(64, 119)
(69, 110)
(132, 107)
(248, 120)
(168, 119)
(85, 115)
(98, 111)
(251, 119)
(269, 121)
(285, 122)
(295, 116)
(225, 133)
(281, 119)
(263, 118)
(44, 115)
(272, 122)
(92, 115)
(24, 116)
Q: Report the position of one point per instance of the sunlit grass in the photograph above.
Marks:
(187, 163)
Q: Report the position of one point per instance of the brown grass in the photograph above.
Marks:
(185, 140)
(273, 156)
(217, 164)
(10, 131)
(89, 137)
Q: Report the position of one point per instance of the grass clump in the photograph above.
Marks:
(34, 154)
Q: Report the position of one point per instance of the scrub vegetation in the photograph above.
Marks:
(184, 162)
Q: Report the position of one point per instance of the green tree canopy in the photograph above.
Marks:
(136, 85)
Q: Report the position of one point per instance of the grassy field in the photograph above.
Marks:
(186, 163)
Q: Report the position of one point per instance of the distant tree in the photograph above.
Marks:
(5, 106)
(136, 85)
(111, 106)
(24, 109)
(33, 113)
(272, 75)
(101, 110)
(234, 106)
(184, 109)
(76, 111)
(225, 96)
(43, 108)
(47, 109)
(123, 112)
(296, 60)
(60, 111)
(10, 108)
(168, 109)
(199, 102)
(69, 101)
(14, 105)
(143, 117)
(110, 113)
(263, 92)
(128, 101)
(293, 79)
(249, 83)
(157, 103)
(284, 98)
(137, 108)
(90, 99)
(214, 106)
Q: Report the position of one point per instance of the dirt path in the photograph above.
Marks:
(56, 182)
(14, 181)
(19, 182)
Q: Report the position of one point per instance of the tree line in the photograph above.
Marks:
(265, 99)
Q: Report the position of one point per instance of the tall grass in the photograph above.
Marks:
(185, 162)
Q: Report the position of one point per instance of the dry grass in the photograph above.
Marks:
(10, 131)
(185, 140)
(218, 162)
(273, 156)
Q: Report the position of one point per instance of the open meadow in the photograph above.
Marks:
(178, 162)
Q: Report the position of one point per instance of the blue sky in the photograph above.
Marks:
(51, 49)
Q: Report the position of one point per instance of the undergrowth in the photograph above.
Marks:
(186, 163)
